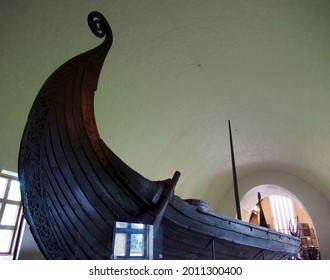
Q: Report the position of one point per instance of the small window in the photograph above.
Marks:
(10, 214)
(132, 241)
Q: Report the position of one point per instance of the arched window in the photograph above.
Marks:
(281, 209)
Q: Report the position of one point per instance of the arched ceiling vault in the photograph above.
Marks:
(177, 71)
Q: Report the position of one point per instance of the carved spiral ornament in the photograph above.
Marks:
(99, 25)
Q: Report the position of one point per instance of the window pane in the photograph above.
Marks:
(137, 247)
(5, 240)
(14, 191)
(3, 184)
(121, 225)
(139, 226)
(120, 245)
(10, 215)
(283, 212)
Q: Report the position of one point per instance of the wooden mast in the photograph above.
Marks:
(262, 221)
(238, 208)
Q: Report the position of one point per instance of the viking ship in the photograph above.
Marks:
(76, 191)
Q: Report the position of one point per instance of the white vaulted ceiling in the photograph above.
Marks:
(176, 73)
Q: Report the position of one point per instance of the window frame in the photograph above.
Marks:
(17, 228)
(146, 231)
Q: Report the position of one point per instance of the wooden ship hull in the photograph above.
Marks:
(74, 188)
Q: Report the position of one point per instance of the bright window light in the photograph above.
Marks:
(10, 215)
(14, 191)
(283, 213)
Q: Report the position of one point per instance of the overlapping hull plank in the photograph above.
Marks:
(74, 188)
